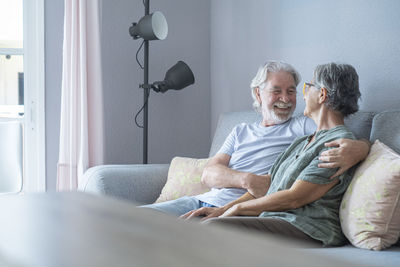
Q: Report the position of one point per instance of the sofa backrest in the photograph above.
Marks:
(386, 128)
(359, 123)
(226, 122)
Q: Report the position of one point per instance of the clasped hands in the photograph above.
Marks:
(211, 212)
(256, 185)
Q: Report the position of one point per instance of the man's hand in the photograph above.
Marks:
(345, 154)
(207, 212)
(257, 185)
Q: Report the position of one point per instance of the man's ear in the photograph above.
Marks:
(257, 93)
(323, 95)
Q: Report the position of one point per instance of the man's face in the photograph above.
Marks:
(278, 98)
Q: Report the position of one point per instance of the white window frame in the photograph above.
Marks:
(34, 96)
(34, 83)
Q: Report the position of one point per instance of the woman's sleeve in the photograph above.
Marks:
(313, 174)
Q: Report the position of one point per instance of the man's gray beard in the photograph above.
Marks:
(279, 119)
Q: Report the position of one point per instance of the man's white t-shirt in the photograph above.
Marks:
(254, 148)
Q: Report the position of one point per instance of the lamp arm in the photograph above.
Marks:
(156, 86)
(146, 86)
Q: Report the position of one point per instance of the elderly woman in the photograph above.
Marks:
(302, 200)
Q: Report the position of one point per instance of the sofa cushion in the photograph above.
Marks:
(360, 123)
(227, 121)
(184, 179)
(370, 209)
(139, 183)
(386, 128)
(360, 257)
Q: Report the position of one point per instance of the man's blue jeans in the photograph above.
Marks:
(178, 206)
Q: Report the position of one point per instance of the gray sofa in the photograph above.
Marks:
(143, 183)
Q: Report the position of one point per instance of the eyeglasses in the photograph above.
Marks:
(308, 85)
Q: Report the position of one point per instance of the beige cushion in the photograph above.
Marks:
(370, 210)
(184, 179)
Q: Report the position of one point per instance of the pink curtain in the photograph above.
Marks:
(81, 127)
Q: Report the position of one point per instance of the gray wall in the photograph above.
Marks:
(364, 33)
(179, 122)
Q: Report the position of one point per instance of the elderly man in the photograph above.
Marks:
(242, 163)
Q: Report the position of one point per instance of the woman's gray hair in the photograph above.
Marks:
(341, 83)
(262, 75)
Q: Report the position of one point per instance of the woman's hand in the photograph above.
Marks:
(210, 212)
(206, 212)
(232, 211)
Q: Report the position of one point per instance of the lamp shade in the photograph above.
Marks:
(177, 77)
(150, 27)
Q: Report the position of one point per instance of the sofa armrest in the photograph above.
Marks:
(139, 183)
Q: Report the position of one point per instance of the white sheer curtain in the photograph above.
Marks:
(81, 128)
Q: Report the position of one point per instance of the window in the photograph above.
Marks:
(22, 82)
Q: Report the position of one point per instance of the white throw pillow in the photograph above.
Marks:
(184, 179)
(370, 209)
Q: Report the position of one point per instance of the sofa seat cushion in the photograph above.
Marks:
(388, 258)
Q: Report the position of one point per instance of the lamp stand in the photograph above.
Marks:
(146, 91)
(155, 27)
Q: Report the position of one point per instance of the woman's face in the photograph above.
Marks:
(311, 96)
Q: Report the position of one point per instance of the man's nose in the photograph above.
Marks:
(284, 97)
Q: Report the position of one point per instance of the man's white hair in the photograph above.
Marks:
(271, 66)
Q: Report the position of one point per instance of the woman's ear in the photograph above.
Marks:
(257, 93)
(323, 95)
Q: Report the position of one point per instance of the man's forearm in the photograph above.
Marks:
(219, 176)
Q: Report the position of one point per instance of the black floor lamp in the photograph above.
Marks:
(154, 27)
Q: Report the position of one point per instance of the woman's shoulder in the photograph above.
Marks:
(335, 133)
(342, 131)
